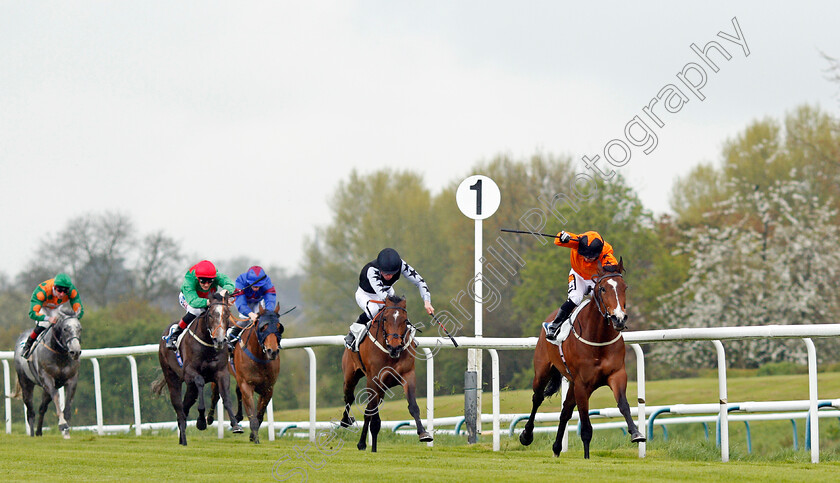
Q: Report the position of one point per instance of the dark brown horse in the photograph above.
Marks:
(203, 349)
(386, 358)
(594, 357)
(255, 366)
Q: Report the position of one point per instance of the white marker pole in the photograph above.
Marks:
(478, 197)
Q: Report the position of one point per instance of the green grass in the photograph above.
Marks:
(92, 458)
(685, 456)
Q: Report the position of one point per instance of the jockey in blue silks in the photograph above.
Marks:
(254, 289)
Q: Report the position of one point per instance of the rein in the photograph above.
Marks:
(379, 317)
(601, 310)
(62, 346)
(211, 332)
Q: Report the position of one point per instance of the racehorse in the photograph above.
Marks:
(386, 363)
(54, 363)
(592, 358)
(203, 349)
(255, 366)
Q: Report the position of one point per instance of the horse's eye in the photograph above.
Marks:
(603, 290)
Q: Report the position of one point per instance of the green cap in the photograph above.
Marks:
(63, 280)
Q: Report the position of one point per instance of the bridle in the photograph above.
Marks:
(379, 320)
(601, 310)
(62, 346)
(206, 316)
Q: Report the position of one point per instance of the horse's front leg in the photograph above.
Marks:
(247, 392)
(42, 410)
(372, 417)
(48, 383)
(582, 394)
(409, 386)
(565, 416)
(214, 399)
(542, 374)
(618, 384)
(223, 382)
(190, 396)
(69, 393)
(239, 414)
(200, 421)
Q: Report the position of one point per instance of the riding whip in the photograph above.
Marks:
(445, 331)
(533, 233)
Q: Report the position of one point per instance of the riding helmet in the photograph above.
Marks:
(205, 269)
(590, 248)
(256, 277)
(62, 280)
(388, 261)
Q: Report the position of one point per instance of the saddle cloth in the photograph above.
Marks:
(566, 326)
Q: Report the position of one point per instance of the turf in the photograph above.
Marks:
(93, 458)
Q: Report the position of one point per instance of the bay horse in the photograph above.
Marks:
(594, 357)
(53, 364)
(255, 366)
(386, 358)
(203, 349)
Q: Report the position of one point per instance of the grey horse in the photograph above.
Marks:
(53, 363)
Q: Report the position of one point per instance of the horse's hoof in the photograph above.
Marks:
(638, 438)
(526, 438)
(201, 424)
(361, 446)
(346, 423)
(426, 438)
(237, 429)
(66, 434)
(210, 419)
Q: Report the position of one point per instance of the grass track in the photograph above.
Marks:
(92, 458)
(686, 456)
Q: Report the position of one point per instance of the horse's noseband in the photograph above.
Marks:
(602, 309)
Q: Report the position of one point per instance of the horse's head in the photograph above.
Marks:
(269, 331)
(217, 315)
(67, 332)
(610, 289)
(394, 322)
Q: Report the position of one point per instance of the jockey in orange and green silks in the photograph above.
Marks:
(200, 281)
(589, 251)
(46, 299)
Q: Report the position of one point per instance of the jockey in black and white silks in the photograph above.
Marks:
(376, 282)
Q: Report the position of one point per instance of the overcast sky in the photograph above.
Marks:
(210, 120)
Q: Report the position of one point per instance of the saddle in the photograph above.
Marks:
(566, 325)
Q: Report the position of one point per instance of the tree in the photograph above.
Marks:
(159, 266)
(775, 265)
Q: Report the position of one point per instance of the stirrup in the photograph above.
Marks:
(350, 342)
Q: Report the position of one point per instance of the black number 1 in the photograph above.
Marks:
(477, 188)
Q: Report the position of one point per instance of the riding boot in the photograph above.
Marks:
(27, 347)
(562, 315)
(174, 332)
(233, 335)
(356, 330)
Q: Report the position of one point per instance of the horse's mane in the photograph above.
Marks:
(395, 299)
(66, 310)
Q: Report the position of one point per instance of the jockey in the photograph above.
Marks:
(200, 282)
(375, 285)
(254, 289)
(589, 251)
(43, 307)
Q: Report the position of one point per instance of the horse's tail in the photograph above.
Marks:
(158, 385)
(554, 383)
(18, 394)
